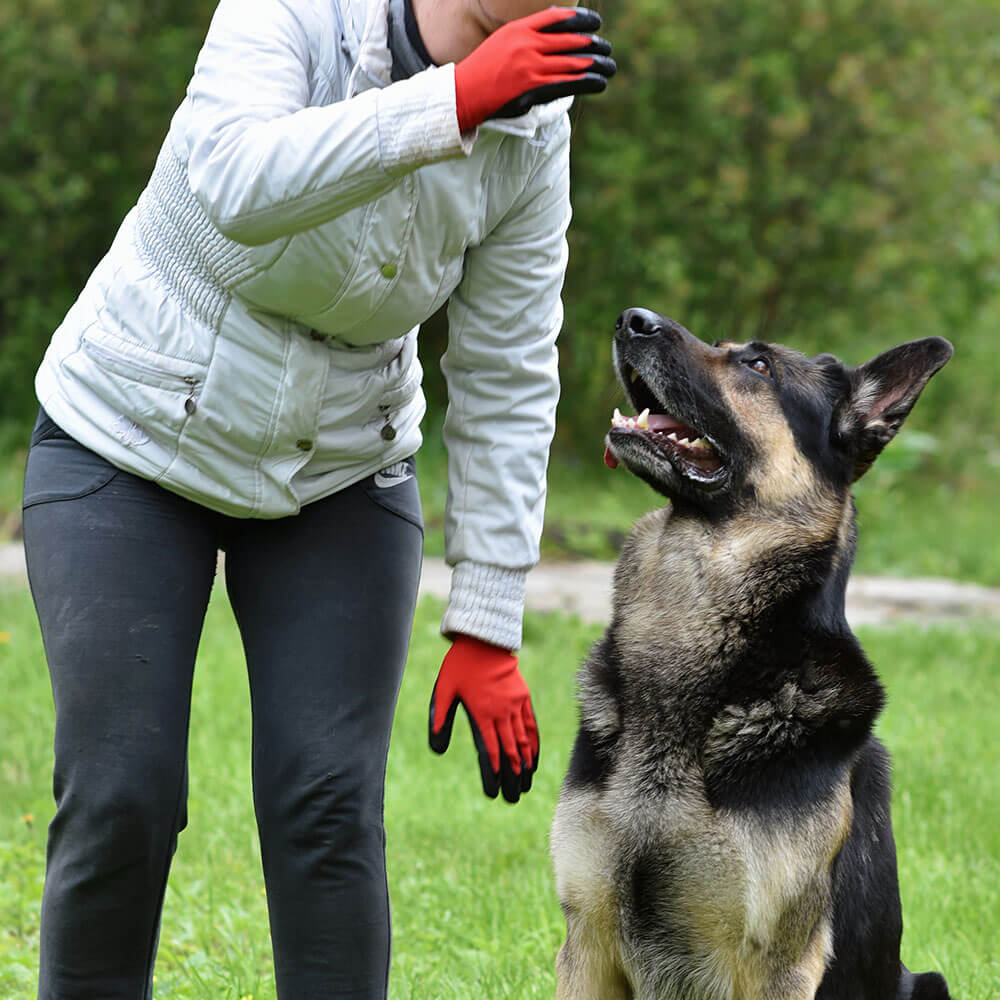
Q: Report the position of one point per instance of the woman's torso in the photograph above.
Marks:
(256, 378)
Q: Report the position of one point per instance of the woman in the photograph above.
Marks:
(240, 372)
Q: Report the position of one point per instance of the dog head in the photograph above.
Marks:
(726, 427)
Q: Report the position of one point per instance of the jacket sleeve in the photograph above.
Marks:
(262, 163)
(503, 386)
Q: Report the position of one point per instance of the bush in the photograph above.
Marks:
(89, 86)
(822, 173)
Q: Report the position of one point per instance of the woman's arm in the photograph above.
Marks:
(501, 369)
(262, 163)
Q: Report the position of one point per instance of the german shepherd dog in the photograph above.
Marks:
(723, 831)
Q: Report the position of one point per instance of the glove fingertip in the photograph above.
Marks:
(590, 83)
(440, 739)
(510, 782)
(490, 774)
(491, 780)
(578, 19)
(439, 742)
(604, 65)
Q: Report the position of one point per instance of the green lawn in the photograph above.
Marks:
(474, 908)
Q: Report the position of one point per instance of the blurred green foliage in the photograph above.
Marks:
(87, 88)
(821, 172)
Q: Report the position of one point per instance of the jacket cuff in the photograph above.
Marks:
(418, 121)
(486, 602)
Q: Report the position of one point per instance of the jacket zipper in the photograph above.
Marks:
(118, 362)
(191, 403)
(388, 432)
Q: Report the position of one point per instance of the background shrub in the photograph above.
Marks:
(818, 172)
(821, 172)
(87, 88)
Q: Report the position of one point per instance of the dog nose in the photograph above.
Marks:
(640, 322)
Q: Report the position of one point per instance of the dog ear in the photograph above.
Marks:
(881, 395)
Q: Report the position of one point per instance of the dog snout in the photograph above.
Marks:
(643, 325)
(640, 323)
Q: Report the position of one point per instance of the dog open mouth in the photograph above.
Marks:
(689, 451)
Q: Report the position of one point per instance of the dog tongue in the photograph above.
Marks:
(661, 422)
(609, 460)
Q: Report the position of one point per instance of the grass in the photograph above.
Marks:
(474, 908)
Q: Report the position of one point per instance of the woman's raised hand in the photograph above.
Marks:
(532, 60)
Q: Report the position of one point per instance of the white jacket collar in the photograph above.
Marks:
(366, 27)
(366, 30)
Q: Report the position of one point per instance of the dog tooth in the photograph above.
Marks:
(672, 436)
(684, 442)
(616, 418)
(643, 419)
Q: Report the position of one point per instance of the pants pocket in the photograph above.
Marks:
(59, 467)
(45, 427)
(395, 489)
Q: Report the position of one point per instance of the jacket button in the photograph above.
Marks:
(388, 432)
(304, 444)
(389, 271)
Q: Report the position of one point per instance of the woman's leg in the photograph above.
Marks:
(120, 572)
(325, 602)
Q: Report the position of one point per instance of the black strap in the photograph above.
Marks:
(413, 33)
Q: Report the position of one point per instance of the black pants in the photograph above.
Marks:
(121, 571)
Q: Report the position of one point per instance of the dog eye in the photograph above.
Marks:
(760, 366)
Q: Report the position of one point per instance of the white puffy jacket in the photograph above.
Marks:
(249, 341)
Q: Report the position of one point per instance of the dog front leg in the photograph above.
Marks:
(587, 968)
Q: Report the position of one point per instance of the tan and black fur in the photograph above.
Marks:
(723, 832)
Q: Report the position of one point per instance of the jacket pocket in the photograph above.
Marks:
(60, 468)
(140, 365)
(400, 377)
(155, 391)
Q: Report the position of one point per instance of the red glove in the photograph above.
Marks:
(486, 681)
(532, 60)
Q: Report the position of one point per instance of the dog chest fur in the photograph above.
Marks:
(694, 900)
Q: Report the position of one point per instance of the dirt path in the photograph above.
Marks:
(584, 589)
